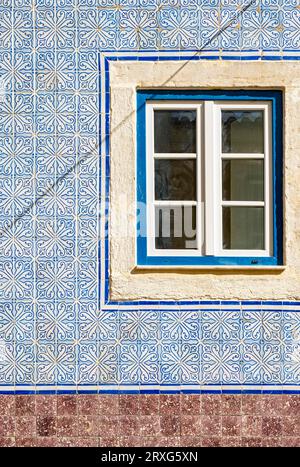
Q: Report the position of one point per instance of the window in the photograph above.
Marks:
(207, 173)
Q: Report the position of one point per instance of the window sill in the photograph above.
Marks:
(209, 268)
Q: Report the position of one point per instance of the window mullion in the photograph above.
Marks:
(210, 136)
(199, 182)
(176, 156)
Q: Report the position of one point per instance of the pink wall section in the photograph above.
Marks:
(150, 420)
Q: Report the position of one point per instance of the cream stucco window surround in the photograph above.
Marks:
(126, 282)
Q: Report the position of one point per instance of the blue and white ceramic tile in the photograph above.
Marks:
(57, 329)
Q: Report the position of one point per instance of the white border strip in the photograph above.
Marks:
(151, 388)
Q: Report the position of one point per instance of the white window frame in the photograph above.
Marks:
(209, 167)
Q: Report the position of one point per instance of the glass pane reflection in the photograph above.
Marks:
(175, 131)
(175, 179)
(243, 131)
(175, 227)
(243, 228)
(243, 180)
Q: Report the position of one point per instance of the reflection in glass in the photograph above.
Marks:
(175, 227)
(175, 131)
(243, 228)
(243, 180)
(243, 131)
(175, 179)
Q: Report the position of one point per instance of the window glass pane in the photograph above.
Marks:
(175, 179)
(243, 228)
(175, 227)
(242, 131)
(175, 131)
(243, 180)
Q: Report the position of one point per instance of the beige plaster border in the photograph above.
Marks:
(127, 282)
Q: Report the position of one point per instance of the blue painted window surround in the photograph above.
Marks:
(275, 98)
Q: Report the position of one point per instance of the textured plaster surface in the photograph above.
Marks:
(127, 283)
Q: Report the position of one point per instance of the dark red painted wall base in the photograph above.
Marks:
(150, 420)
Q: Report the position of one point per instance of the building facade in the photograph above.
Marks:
(110, 331)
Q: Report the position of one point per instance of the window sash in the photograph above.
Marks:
(150, 179)
(218, 156)
(209, 158)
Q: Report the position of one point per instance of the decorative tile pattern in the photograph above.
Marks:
(57, 329)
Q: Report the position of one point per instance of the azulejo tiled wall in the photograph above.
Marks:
(58, 331)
